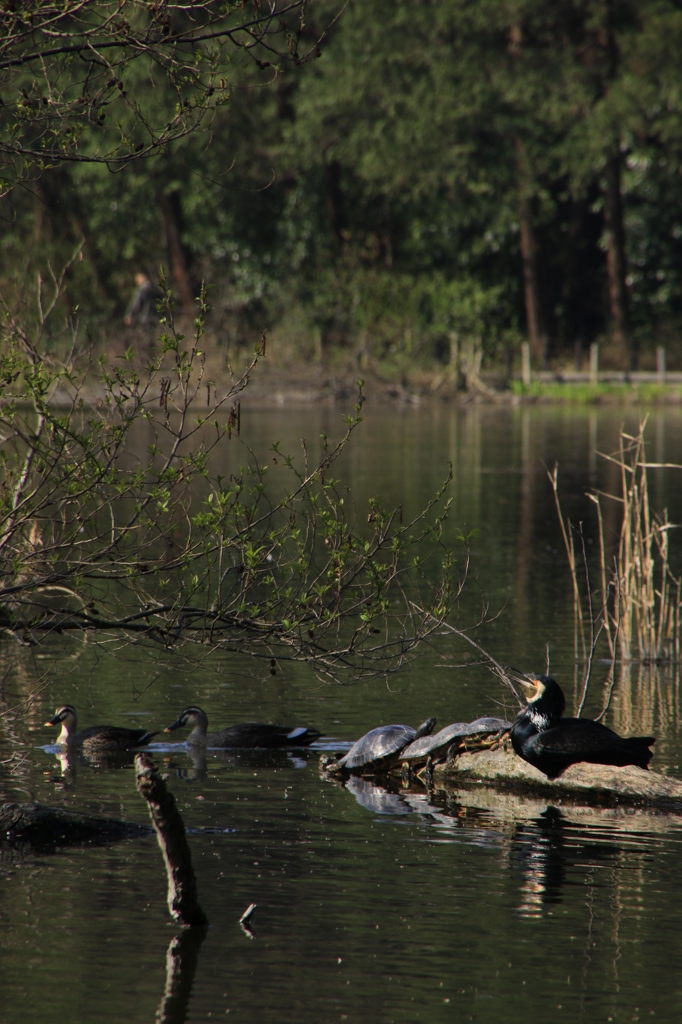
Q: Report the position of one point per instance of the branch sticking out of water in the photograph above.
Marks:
(183, 899)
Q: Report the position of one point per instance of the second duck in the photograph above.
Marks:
(247, 734)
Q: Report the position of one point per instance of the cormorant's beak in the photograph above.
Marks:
(53, 721)
(530, 686)
(177, 724)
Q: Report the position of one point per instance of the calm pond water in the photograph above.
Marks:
(371, 906)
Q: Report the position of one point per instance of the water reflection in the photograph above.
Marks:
(539, 851)
(181, 964)
(375, 798)
(203, 759)
(70, 758)
(547, 846)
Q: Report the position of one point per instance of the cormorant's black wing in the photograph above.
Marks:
(580, 739)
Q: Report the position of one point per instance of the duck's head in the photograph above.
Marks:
(66, 717)
(190, 716)
(546, 701)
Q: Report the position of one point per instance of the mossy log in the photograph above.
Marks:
(183, 900)
(590, 783)
(45, 828)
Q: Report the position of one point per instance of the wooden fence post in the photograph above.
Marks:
(525, 363)
(660, 364)
(594, 363)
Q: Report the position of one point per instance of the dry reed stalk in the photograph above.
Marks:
(640, 619)
(605, 587)
(597, 623)
(647, 613)
(567, 534)
(640, 609)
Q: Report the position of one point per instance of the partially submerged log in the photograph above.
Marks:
(43, 828)
(590, 783)
(183, 900)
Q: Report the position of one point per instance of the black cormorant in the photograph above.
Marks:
(248, 734)
(552, 743)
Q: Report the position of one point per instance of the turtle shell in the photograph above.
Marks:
(377, 746)
(487, 724)
(426, 745)
(432, 746)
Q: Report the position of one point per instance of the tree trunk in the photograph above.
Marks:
(170, 211)
(615, 261)
(536, 334)
(573, 272)
(334, 197)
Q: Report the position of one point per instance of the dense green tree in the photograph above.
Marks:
(460, 172)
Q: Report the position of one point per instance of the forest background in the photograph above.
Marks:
(445, 174)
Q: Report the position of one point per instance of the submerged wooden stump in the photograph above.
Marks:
(43, 828)
(592, 783)
(183, 900)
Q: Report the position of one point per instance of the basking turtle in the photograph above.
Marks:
(459, 735)
(378, 749)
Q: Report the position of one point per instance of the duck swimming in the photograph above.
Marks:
(551, 743)
(248, 734)
(97, 737)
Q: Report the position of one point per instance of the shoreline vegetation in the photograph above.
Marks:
(289, 375)
(284, 378)
(333, 382)
(310, 386)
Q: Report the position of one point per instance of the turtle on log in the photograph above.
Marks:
(483, 732)
(378, 750)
